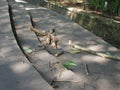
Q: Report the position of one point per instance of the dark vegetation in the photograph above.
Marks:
(107, 8)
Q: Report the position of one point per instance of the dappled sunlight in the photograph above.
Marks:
(74, 9)
(15, 71)
(32, 8)
(19, 68)
(106, 83)
(96, 47)
(89, 68)
(113, 49)
(21, 1)
(68, 75)
(93, 58)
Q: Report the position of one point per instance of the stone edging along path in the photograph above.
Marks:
(106, 28)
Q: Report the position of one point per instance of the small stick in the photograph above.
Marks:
(40, 32)
(93, 52)
(58, 54)
(86, 69)
(49, 64)
(48, 38)
(54, 41)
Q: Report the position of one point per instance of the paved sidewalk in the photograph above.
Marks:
(104, 74)
(16, 74)
(15, 71)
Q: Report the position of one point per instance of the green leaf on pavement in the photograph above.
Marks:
(27, 50)
(69, 64)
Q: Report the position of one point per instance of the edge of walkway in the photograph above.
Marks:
(15, 71)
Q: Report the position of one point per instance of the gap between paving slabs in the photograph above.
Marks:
(39, 58)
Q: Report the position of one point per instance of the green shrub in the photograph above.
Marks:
(97, 4)
(109, 6)
(112, 6)
(74, 1)
(119, 11)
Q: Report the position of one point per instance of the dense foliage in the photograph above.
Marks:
(111, 7)
(108, 6)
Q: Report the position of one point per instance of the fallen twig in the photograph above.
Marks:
(86, 69)
(93, 52)
(40, 32)
(58, 54)
(54, 41)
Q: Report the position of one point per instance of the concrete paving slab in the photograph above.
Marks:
(101, 70)
(42, 58)
(27, 38)
(67, 30)
(14, 74)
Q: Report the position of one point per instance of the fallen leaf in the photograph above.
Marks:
(26, 49)
(69, 64)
